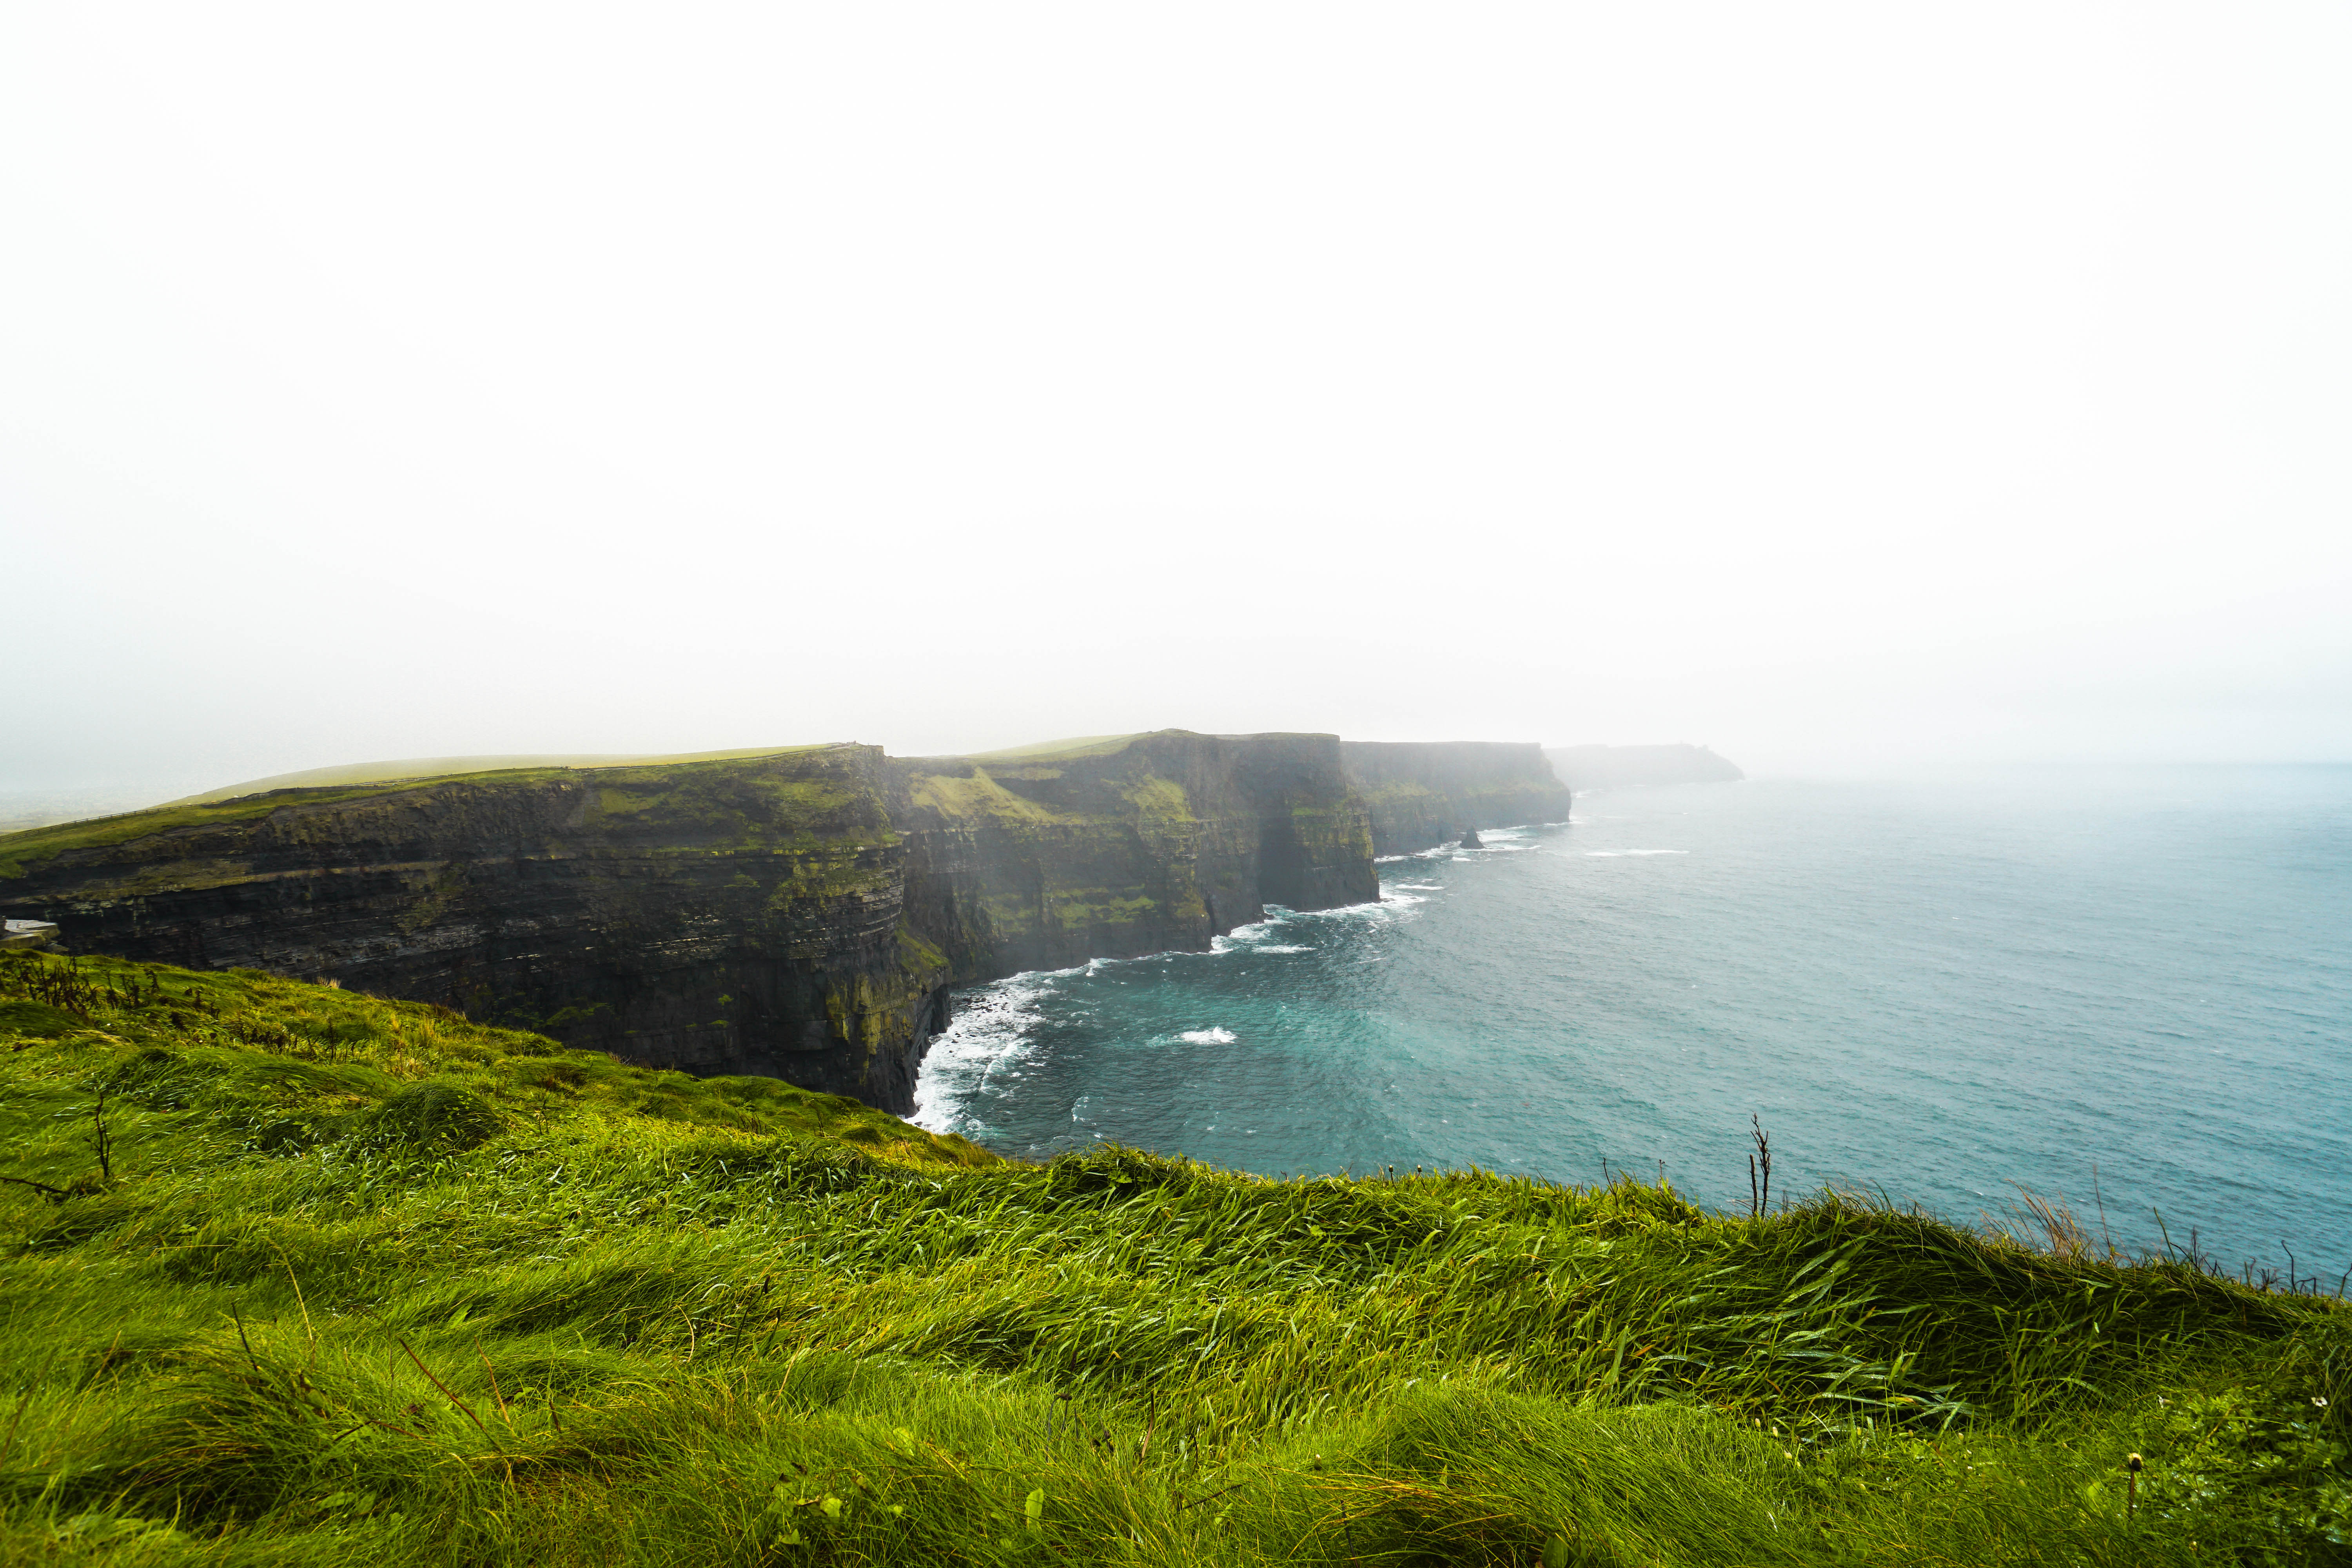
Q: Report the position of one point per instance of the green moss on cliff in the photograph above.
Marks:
(995, 793)
(1158, 797)
(822, 876)
(728, 806)
(1109, 909)
(759, 806)
(22, 851)
(920, 957)
(1400, 791)
(977, 796)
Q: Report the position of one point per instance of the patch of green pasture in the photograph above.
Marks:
(691, 786)
(418, 768)
(978, 794)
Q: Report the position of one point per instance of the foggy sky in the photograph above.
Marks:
(1849, 387)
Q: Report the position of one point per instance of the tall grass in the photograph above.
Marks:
(371, 1284)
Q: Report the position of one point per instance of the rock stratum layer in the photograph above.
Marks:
(1421, 794)
(801, 914)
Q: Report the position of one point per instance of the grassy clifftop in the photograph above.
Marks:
(629, 782)
(297, 1275)
(413, 768)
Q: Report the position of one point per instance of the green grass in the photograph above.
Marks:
(36, 846)
(758, 806)
(370, 1284)
(979, 797)
(416, 768)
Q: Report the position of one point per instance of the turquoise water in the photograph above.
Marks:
(2130, 991)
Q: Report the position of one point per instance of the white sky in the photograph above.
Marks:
(1858, 386)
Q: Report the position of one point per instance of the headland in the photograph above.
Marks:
(801, 913)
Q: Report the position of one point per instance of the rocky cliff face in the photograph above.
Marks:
(1421, 794)
(741, 917)
(1151, 844)
(800, 914)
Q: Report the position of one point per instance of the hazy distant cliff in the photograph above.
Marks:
(1616, 767)
(1424, 793)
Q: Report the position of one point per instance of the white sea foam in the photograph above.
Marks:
(989, 1037)
(1245, 939)
(1506, 840)
(993, 1034)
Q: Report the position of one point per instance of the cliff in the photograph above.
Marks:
(723, 917)
(1113, 849)
(1620, 767)
(1420, 793)
(801, 913)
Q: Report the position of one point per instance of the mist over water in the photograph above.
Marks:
(2129, 990)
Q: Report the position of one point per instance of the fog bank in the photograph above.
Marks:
(1847, 389)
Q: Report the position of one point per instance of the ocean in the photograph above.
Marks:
(2127, 991)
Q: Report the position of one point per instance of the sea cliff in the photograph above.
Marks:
(1145, 844)
(1421, 794)
(740, 915)
(801, 914)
